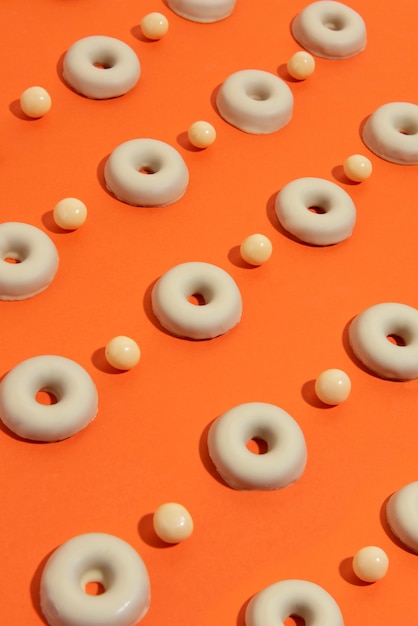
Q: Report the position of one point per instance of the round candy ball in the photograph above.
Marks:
(122, 352)
(201, 134)
(357, 167)
(256, 249)
(35, 101)
(70, 213)
(154, 25)
(333, 386)
(301, 65)
(370, 564)
(172, 522)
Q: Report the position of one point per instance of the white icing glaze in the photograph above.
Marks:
(402, 515)
(330, 29)
(272, 605)
(100, 67)
(282, 464)
(391, 132)
(101, 558)
(146, 172)
(203, 11)
(220, 313)
(368, 334)
(37, 259)
(332, 224)
(255, 101)
(72, 386)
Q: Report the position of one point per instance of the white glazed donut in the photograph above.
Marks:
(330, 29)
(272, 605)
(203, 11)
(222, 306)
(72, 386)
(334, 216)
(146, 172)
(402, 515)
(368, 336)
(255, 101)
(36, 261)
(100, 558)
(282, 464)
(391, 132)
(100, 67)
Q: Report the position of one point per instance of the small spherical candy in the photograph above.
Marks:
(70, 213)
(154, 25)
(35, 101)
(122, 352)
(301, 65)
(370, 564)
(201, 134)
(333, 386)
(172, 522)
(357, 167)
(256, 249)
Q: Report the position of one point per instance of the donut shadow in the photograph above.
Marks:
(346, 571)
(205, 458)
(387, 529)
(241, 614)
(310, 397)
(35, 586)
(98, 359)
(361, 128)
(213, 97)
(101, 177)
(59, 67)
(148, 535)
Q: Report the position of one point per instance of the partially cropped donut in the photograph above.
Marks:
(219, 312)
(402, 515)
(100, 67)
(369, 334)
(283, 462)
(98, 558)
(316, 211)
(204, 11)
(255, 101)
(391, 132)
(75, 392)
(330, 29)
(146, 172)
(301, 598)
(28, 261)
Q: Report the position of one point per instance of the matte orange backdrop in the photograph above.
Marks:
(148, 442)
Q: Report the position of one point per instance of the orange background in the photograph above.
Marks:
(148, 442)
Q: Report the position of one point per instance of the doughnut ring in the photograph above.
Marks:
(391, 132)
(222, 306)
(330, 30)
(101, 67)
(272, 605)
(334, 216)
(36, 261)
(146, 172)
(255, 101)
(99, 558)
(203, 11)
(402, 515)
(282, 464)
(368, 336)
(72, 386)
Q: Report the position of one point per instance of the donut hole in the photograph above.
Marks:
(397, 339)
(333, 22)
(261, 439)
(200, 294)
(46, 397)
(257, 445)
(294, 620)
(104, 62)
(258, 91)
(149, 166)
(406, 126)
(197, 299)
(49, 391)
(95, 581)
(16, 253)
(94, 588)
(319, 210)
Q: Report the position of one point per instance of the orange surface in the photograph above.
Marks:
(148, 442)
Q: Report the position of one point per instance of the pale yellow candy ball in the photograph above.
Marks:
(172, 522)
(333, 386)
(301, 65)
(35, 101)
(201, 134)
(70, 213)
(357, 167)
(370, 564)
(122, 352)
(154, 25)
(256, 249)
